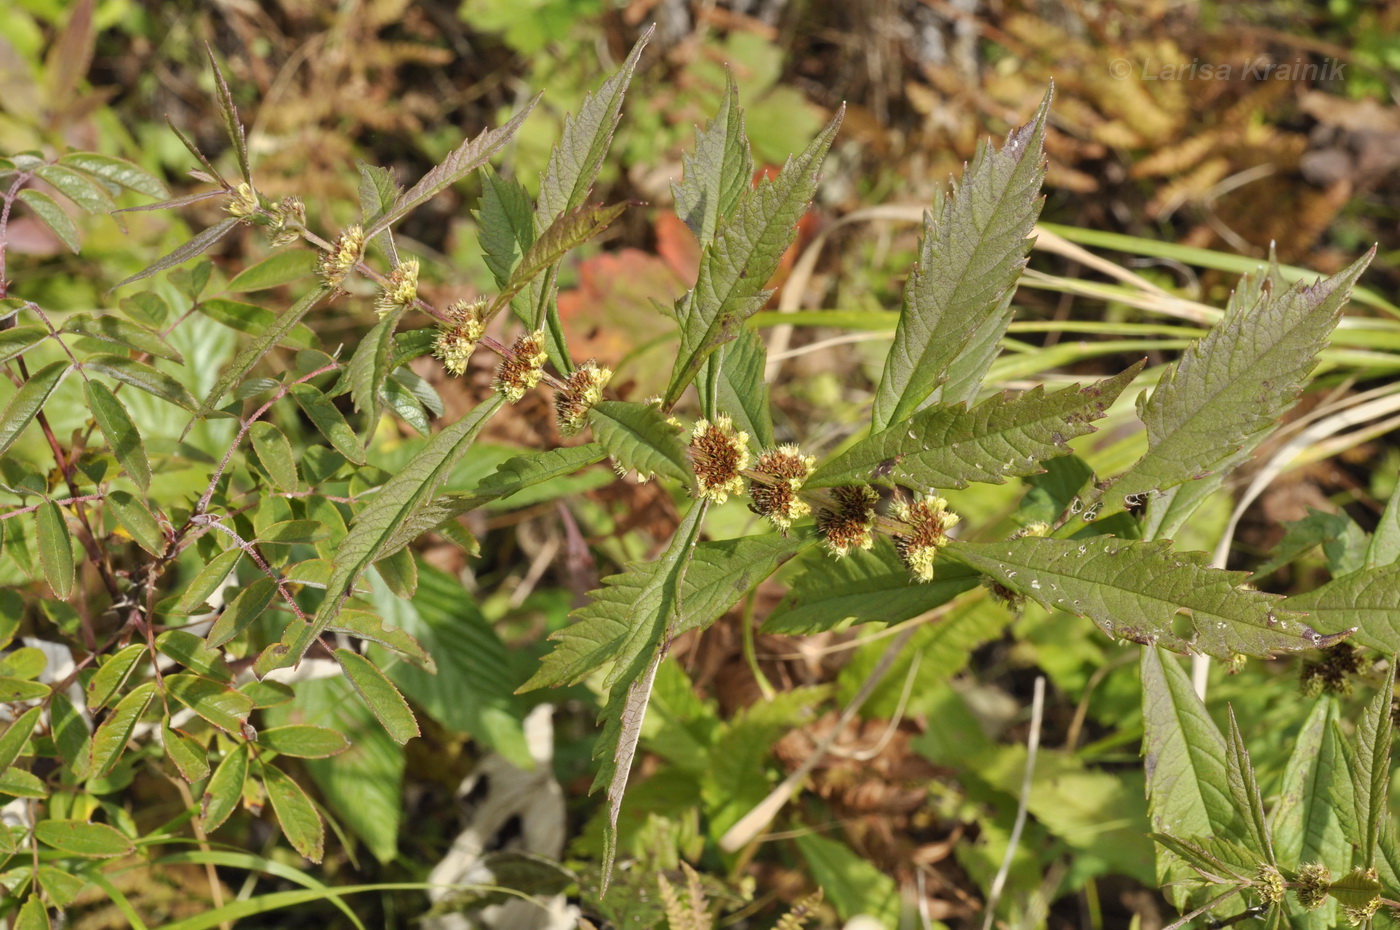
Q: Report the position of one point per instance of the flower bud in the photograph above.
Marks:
(288, 220)
(777, 499)
(719, 454)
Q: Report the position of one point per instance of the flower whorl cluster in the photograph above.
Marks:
(288, 220)
(1269, 883)
(582, 390)
(1314, 882)
(400, 291)
(344, 254)
(778, 501)
(458, 335)
(521, 368)
(1359, 915)
(929, 520)
(850, 525)
(242, 202)
(719, 454)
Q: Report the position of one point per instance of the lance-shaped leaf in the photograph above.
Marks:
(225, 789)
(863, 588)
(378, 191)
(55, 548)
(120, 432)
(395, 503)
(463, 160)
(1363, 601)
(368, 369)
(949, 446)
(77, 187)
(1146, 592)
(1385, 542)
(1185, 762)
(1245, 797)
(506, 223)
(510, 476)
(52, 216)
(224, 99)
(1371, 774)
(15, 342)
(569, 230)
(27, 402)
(719, 172)
(329, 421)
(638, 437)
(973, 251)
(108, 327)
(1221, 398)
(301, 824)
(143, 377)
(110, 739)
(379, 693)
(201, 243)
(270, 337)
(117, 171)
(737, 265)
(1304, 824)
(1219, 861)
(741, 392)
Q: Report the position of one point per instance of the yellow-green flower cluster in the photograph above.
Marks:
(458, 335)
(851, 523)
(582, 390)
(521, 368)
(777, 499)
(400, 291)
(243, 202)
(1314, 883)
(929, 520)
(288, 220)
(1269, 883)
(348, 249)
(719, 455)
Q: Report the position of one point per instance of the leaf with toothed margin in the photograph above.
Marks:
(720, 171)
(973, 251)
(1146, 592)
(1364, 601)
(949, 446)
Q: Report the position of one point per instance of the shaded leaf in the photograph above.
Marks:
(506, 223)
(275, 454)
(120, 432)
(1371, 771)
(301, 824)
(225, 789)
(77, 838)
(281, 267)
(1244, 794)
(55, 548)
(568, 231)
(109, 327)
(112, 675)
(380, 694)
(252, 320)
(138, 522)
(201, 243)
(16, 735)
(1363, 601)
(52, 216)
(328, 419)
(742, 391)
(111, 737)
(250, 604)
(142, 377)
(217, 703)
(27, 401)
(208, 580)
(720, 171)
(1304, 825)
(190, 651)
(190, 758)
(20, 339)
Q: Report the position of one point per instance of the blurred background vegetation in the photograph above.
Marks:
(1141, 144)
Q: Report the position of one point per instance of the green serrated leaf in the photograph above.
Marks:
(138, 522)
(638, 437)
(250, 604)
(190, 758)
(1218, 402)
(265, 342)
(225, 789)
(15, 342)
(77, 187)
(1374, 736)
(972, 253)
(232, 126)
(77, 838)
(949, 446)
(301, 824)
(506, 223)
(742, 392)
(462, 161)
(1185, 762)
(720, 171)
(1220, 861)
(304, 741)
(111, 328)
(279, 268)
(109, 741)
(368, 369)
(252, 320)
(379, 693)
(1363, 601)
(27, 401)
(400, 572)
(1244, 794)
(378, 191)
(395, 504)
(209, 578)
(1385, 542)
(52, 216)
(568, 231)
(736, 267)
(275, 454)
(1304, 825)
(328, 419)
(1146, 592)
(215, 701)
(120, 432)
(55, 548)
(201, 243)
(142, 377)
(116, 171)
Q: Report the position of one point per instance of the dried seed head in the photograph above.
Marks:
(520, 370)
(719, 454)
(457, 337)
(1314, 881)
(349, 248)
(400, 291)
(849, 525)
(582, 390)
(777, 499)
(929, 519)
(1269, 884)
(288, 220)
(242, 202)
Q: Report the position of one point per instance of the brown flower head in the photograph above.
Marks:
(521, 369)
(719, 454)
(1314, 881)
(787, 468)
(929, 520)
(458, 335)
(582, 390)
(849, 525)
